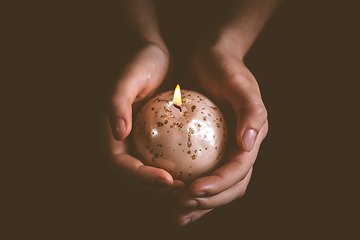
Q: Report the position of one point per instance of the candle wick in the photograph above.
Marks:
(178, 107)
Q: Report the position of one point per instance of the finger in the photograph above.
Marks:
(241, 90)
(182, 217)
(131, 168)
(139, 79)
(223, 198)
(135, 171)
(232, 172)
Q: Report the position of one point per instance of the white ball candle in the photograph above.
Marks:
(183, 133)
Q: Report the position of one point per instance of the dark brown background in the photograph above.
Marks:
(57, 58)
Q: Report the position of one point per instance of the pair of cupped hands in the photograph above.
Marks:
(218, 68)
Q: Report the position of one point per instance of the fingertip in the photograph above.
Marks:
(198, 187)
(181, 217)
(162, 182)
(120, 117)
(180, 221)
(118, 127)
(250, 120)
(185, 222)
(162, 179)
(248, 139)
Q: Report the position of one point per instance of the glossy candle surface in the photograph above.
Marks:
(188, 143)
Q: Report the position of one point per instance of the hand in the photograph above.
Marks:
(220, 71)
(138, 81)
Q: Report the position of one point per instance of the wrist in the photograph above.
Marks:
(227, 39)
(139, 39)
(243, 24)
(233, 40)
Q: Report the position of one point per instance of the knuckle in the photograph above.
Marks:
(112, 106)
(256, 111)
(265, 129)
(260, 111)
(117, 101)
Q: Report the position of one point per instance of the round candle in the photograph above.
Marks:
(184, 135)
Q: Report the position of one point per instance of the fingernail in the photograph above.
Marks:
(248, 139)
(161, 183)
(185, 222)
(120, 127)
(192, 203)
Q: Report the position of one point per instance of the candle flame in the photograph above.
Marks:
(177, 96)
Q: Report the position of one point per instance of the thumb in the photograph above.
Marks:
(242, 92)
(139, 79)
(250, 119)
(120, 107)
